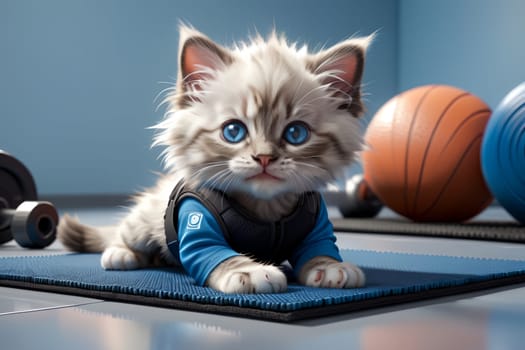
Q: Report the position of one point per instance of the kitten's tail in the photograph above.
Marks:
(82, 238)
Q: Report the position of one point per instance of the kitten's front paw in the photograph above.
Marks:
(120, 258)
(327, 273)
(265, 279)
(249, 277)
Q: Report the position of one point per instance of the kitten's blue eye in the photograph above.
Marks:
(234, 131)
(296, 133)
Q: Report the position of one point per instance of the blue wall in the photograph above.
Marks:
(78, 79)
(477, 45)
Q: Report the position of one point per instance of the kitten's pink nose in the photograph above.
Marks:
(264, 159)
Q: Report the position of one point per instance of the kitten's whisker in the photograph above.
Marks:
(228, 185)
(321, 179)
(219, 180)
(203, 169)
(305, 182)
(213, 180)
(312, 166)
(214, 164)
(199, 172)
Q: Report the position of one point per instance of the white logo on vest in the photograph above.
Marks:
(194, 221)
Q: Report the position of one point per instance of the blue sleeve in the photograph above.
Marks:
(320, 242)
(202, 245)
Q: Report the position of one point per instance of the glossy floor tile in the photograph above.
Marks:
(19, 300)
(482, 322)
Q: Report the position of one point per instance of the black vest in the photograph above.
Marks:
(269, 242)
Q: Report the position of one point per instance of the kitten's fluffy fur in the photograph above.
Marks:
(266, 84)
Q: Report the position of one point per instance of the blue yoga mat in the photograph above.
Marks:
(392, 278)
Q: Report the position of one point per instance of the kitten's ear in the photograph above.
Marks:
(341, 68)
(199, 59)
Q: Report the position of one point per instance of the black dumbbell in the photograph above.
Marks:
(31, 223)
(357, 200)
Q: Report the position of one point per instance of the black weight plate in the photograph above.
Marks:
(16, 185)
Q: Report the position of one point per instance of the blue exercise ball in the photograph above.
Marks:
(503, 153)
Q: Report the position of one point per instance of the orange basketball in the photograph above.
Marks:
(422, 155)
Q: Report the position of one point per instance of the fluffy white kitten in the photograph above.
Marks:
(264, 84)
